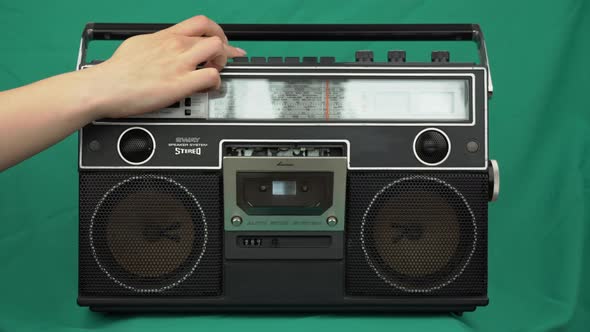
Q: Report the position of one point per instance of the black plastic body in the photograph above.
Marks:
(311, 275)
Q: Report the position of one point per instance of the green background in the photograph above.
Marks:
(539, 249)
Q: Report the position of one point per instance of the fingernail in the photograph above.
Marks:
(242, 52)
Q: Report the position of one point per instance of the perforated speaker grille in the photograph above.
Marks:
(150, 234)
(420, 234)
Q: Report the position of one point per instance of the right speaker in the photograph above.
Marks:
(416, 234)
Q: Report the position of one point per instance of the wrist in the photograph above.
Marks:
(95, 95)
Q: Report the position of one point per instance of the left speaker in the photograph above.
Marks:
(152, 234)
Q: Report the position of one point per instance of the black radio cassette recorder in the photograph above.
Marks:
(300, 185)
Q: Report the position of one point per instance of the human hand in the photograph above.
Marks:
(152, 71)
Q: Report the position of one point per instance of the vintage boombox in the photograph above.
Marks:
(300, 185)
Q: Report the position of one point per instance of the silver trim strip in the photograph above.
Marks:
(79, 61)
(485, 118)
(351, 67)
(354, 68)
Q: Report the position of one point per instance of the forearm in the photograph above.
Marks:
(41, 114)
(146, 73)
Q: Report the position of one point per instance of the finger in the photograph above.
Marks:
(200, 80)
(206, 49)
(198, 26)
(218, 62)
(233, 51)
(221, 60)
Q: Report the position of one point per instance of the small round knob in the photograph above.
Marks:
(431, 146)
(472, 146)
(331, 221)
(136, 146)
(94, 145)
(236, 220)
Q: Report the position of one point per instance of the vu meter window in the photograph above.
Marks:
(341, 99)
(282, 188)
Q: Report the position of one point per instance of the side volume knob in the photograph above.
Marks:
(493, 180)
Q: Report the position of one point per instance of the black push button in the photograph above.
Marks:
(241, 59)
(327, 60)
(310, 60)
(275, 60)
(187, 112)
(441, 56)
(258, 59)
(396, 56)
(364, 56)
(292, 60)
(187, 102)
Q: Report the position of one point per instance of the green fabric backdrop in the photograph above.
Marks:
(539, 132)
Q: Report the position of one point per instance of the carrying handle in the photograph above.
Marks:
(307, 32)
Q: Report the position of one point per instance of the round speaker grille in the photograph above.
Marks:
(148, 233)
(431, 147)
(136, 146)
(418, 234)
